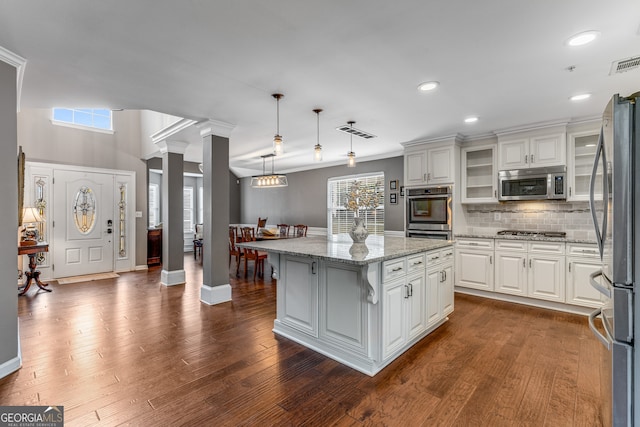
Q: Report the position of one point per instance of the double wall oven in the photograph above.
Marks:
(429, 212)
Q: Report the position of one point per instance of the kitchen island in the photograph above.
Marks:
(362, 305)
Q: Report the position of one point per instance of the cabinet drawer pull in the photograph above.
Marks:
(397, 269)
(435, 257)
(406, 292)
(417, 263)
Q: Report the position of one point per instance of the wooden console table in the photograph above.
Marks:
(33, 274)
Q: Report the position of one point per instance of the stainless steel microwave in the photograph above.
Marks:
(533, 184)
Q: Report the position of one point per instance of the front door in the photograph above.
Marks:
(83, 212)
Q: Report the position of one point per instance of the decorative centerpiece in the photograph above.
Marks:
(360, 198)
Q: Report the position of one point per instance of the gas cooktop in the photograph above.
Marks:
(532, 233)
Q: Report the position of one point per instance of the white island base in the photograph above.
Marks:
(362, 313)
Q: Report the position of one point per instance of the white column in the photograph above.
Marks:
(215, 255)
(172, 212)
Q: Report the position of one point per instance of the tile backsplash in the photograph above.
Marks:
(574, 218)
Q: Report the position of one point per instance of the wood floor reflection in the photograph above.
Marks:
(131, 351)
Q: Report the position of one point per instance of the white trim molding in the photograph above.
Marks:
(178, 147)
(215, 127)
(12, 365)
(212, 295)
(170, 130)
(172, 278)
(19, 63)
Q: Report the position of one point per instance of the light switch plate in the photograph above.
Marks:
(138, 214)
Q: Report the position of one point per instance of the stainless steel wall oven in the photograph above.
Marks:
(429, 212)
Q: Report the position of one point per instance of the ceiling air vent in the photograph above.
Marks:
(357, 132)
(623, 65)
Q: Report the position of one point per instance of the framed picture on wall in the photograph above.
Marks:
(402, 191)
(393, 184)
(393, 198)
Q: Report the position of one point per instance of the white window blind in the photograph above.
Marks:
(188, 209)
(340, 219)
(200, 205)
(154, 205)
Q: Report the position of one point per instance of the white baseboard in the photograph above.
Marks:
(568, 308)
(12, 365)
(141, 267)
(171, 278)
(212, 295)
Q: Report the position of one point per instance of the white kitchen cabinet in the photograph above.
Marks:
(581, 149)
(394, 334)
(474, 263)
(434, 276)
(405, 300)
(479, 175)
(298, 298)
(519, 152)
(446, 289)
(416, 305)
(546, 277)
(427, 165)
(511, 267)
(582, 260)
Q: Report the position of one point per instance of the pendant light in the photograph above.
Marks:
(272, 180)
(351, 162)
(278, 148)
(317, 150)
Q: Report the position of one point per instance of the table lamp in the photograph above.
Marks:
(30, 218)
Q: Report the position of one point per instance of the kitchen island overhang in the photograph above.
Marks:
(362, 305)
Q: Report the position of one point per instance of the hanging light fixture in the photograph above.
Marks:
(272, 180)
(351, 162)
(317, 150)
(278, 148)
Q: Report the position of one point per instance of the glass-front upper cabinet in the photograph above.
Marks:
(479, 176)
(582, 151)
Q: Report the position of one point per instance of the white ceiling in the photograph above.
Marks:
(504, 61)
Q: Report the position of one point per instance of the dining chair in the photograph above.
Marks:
(283, 229)
(234, 250)
(197, 241)
(300, 230)
(258, 257)
(262, 222)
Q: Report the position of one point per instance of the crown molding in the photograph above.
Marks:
(170, 130)
(455, 138)
(532, 127)
(215, 127)
(19, 63)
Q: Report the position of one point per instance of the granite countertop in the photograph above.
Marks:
(376, 249)
(531, 238)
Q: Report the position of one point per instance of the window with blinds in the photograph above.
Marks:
(340, 219)
(154, 205)
(188, 209)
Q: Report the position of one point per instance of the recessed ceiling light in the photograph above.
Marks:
(580, 97)
(471, 120)
(427, 86)
(583, 38)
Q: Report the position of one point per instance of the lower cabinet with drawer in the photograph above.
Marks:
(529, 271)
(582, 261)
(532, 269)
(474, 263)
(418, 301)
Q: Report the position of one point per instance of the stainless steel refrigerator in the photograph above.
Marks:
(615, 208)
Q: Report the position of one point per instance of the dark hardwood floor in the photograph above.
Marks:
(131, 351)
